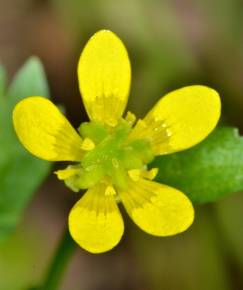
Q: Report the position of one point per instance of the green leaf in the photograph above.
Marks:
(20, 173)
(209, 170)
(30, 80)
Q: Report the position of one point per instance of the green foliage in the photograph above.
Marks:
(20, 173)
(209, 170)
(29, 81)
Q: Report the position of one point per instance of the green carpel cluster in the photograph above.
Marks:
(111, 158)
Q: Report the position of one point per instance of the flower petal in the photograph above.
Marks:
(180, 120)
(157, 209)
(104, 74)
(95, 222)
(45, 132)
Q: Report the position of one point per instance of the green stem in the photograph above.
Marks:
(59, 263)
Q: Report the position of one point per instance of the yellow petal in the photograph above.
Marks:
(45, 132)
(180, 120)
(157, 209)
(104, 74)
(95, 222)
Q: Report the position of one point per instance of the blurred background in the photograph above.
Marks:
(171, 44)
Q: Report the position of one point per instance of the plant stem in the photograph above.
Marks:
(59, 263)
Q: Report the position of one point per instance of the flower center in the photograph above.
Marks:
(109, 157)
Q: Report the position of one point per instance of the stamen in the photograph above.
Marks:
(134, 174)
(111, 122)
(151, 174)
(87, 144)
(130, 118)
(110, 191)
(66, 173)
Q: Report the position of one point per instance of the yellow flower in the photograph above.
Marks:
(110, 153)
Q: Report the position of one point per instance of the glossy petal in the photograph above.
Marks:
(95, 222)
(180, 120)
(104, 74)
(45, 132)
(157, 209)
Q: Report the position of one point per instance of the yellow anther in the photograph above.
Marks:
(130, 118)
(66, 173)
(151, 174)
(112, 122)
(110, 191)
(134, 174)
(87, 144)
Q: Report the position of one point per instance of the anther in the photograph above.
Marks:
(134, 174)
(66, 173)
(151, 174)
(130, 118)
(112, 122)
(87, 144)
(110, 191)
